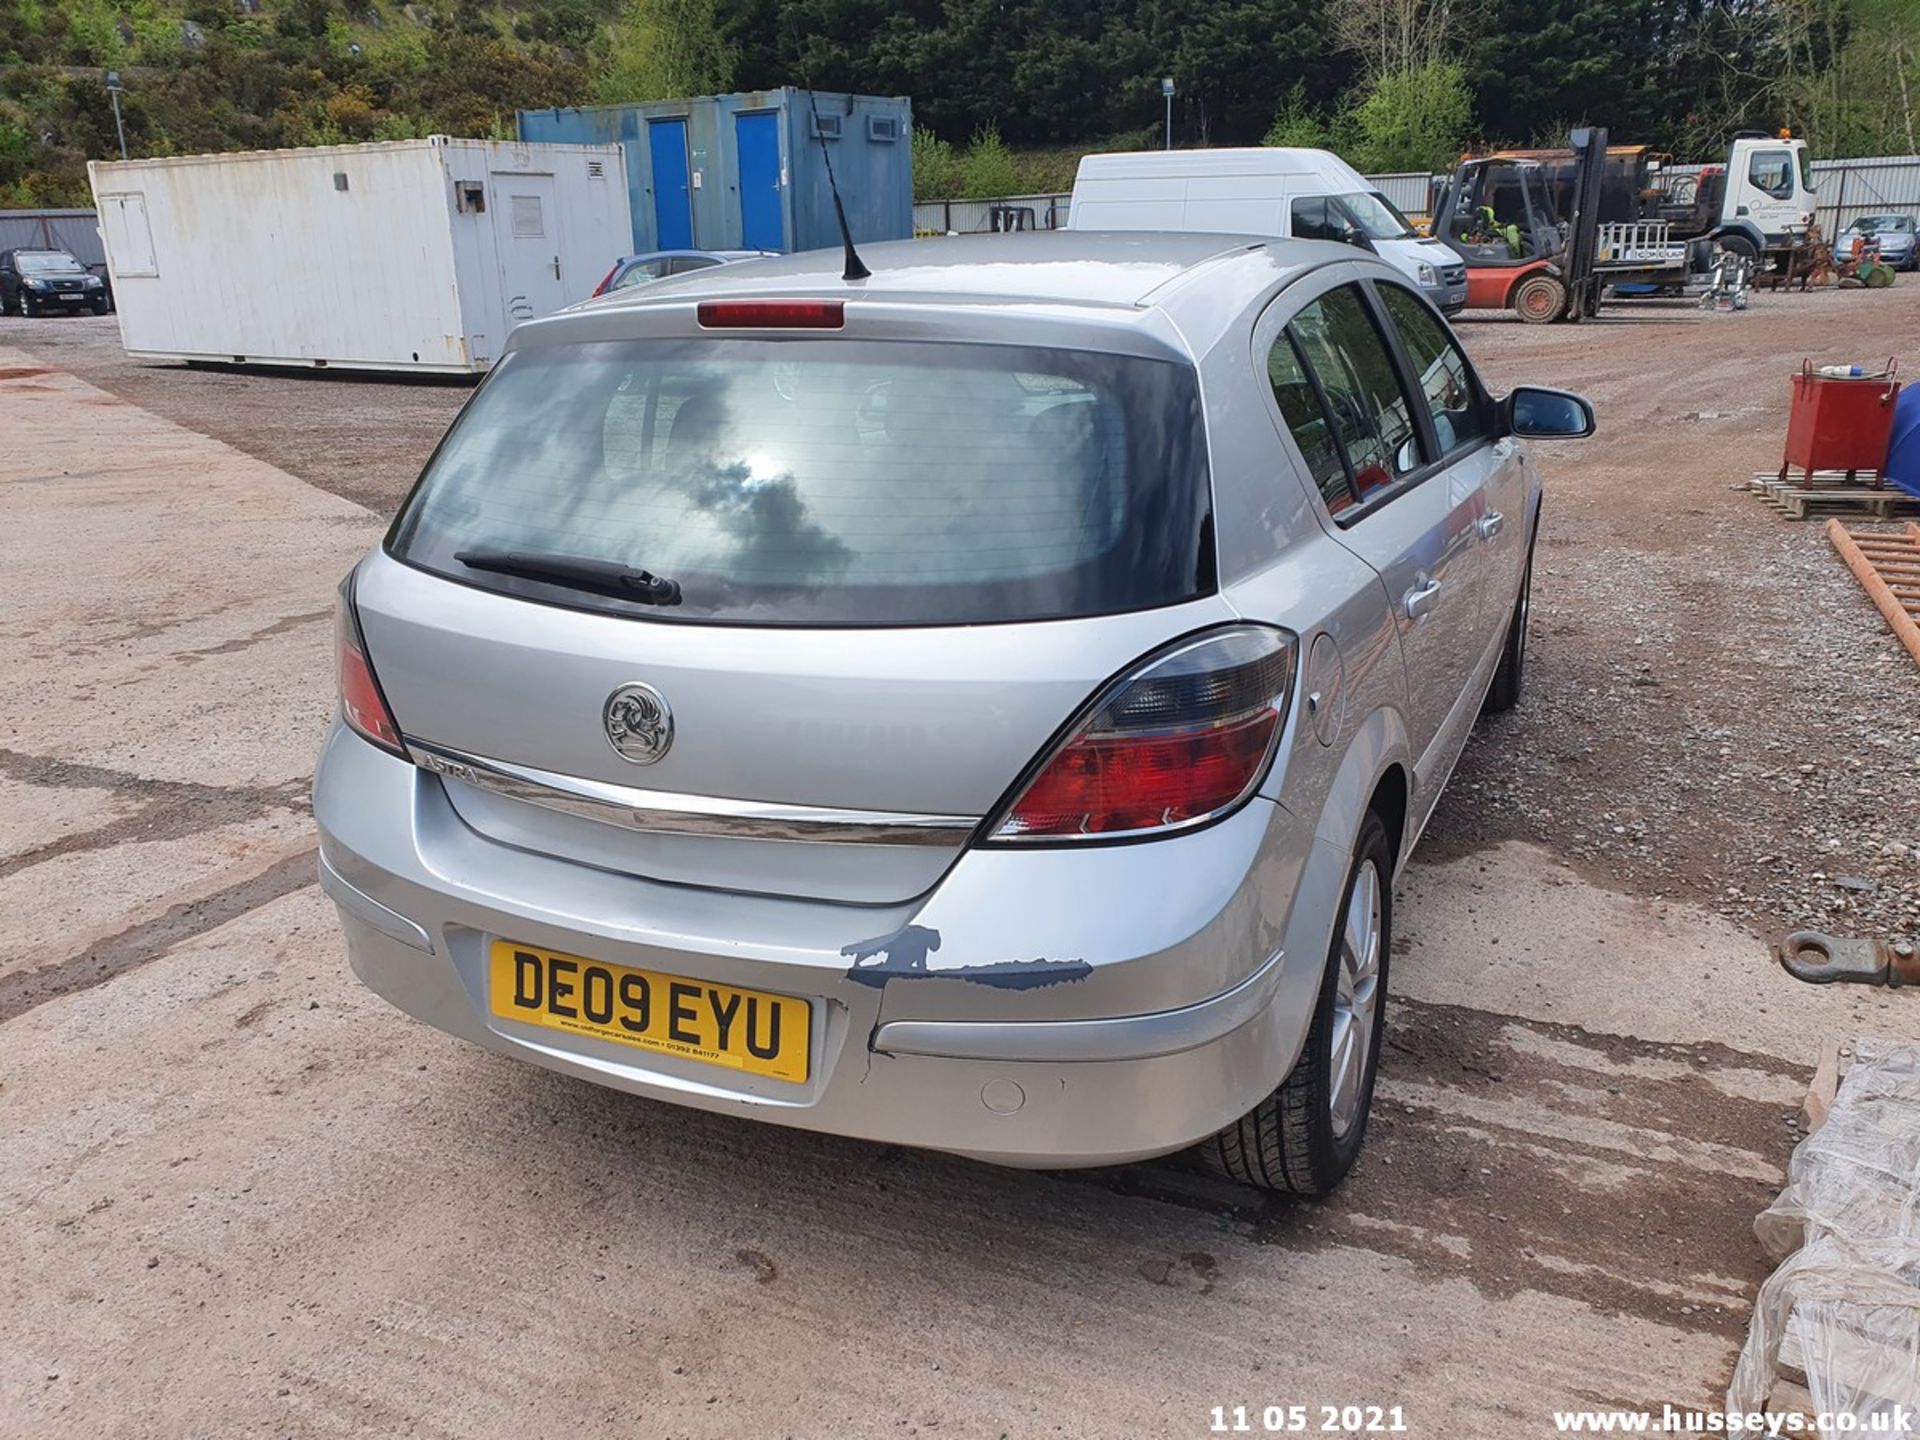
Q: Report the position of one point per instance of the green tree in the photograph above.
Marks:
(1299, 124)
(1413, 120)
(666, 48)
(1852, 78)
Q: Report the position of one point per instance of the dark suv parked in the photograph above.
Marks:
(36, 281)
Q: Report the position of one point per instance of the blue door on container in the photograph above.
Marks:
(672, 199)
(758, 140)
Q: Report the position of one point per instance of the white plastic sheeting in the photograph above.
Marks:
(1841, 1314)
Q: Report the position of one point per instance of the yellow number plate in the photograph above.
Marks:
(742, 1029)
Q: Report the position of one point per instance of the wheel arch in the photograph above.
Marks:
(1375, 771)
(1389, 802)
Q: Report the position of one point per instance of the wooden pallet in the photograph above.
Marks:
(1887, 565)
(1830, 494)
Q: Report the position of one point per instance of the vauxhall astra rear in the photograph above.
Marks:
(930, 708)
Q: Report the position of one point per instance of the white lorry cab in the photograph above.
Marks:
(1265, 190)
(1759, 201)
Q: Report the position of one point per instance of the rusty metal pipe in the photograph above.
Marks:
(1898, 620)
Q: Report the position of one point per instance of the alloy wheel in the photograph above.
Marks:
(1356, 996)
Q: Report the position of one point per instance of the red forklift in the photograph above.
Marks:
(1498, 214)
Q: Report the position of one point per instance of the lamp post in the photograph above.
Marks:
(1166, 89)
(114, 87)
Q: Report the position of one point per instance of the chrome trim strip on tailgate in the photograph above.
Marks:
(663, 812)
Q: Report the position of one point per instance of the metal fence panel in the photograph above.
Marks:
(74, 231)
(1876, 185)
(1409, 192)
(977, 217)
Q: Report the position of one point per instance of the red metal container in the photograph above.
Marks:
(1839, 424)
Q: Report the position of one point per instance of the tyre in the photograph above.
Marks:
(1304, 1137)
(1739, 245)
(1540, 300)
(1510, 677)
(98, 307)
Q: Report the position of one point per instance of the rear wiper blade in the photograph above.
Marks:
(604, 577)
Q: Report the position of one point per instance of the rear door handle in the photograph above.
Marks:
(1422, 598)
(1490, 524)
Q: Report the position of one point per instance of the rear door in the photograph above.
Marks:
(1386, 493)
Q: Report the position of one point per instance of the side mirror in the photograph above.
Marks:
(1359, 239)
(1537, 413)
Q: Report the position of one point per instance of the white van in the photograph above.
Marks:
(1268, 190)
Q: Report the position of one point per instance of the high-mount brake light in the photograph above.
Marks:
(1183, 738)
(361, 704)
(772, 314)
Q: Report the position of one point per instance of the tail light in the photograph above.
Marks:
(361, 703)
(606, 280)
(772, 314)
(1182, 739)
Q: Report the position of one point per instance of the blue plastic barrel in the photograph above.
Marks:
(1903, 448)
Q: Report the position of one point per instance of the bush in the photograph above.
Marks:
(1416, 120)
(936, 169)
(988, 169)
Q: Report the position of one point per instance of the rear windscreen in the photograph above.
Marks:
(829, 482)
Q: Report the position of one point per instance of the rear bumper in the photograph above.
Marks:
(1185, 1001)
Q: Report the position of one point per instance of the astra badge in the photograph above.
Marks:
(639, 724)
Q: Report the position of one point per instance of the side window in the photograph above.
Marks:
(1307, 421)
(1446, 380)
(1315, 219)
(1344, 350)
(682, 264)
(1772, 171)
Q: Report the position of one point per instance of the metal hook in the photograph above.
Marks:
(1822, 959)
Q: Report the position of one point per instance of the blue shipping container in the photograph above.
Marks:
(745, 171)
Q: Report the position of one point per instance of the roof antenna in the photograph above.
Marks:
(855, 269)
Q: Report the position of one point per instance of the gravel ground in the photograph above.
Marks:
(1715, 711)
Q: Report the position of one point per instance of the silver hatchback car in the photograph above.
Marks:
(981, 706)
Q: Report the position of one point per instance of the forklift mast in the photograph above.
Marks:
(1583, 221)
